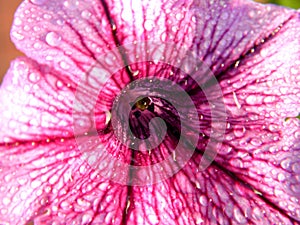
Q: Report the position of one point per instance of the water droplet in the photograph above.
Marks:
(251, 99)
(264, 52)
(294, 71)
(17, 21)
(252, 14)
(238, 215)
(59, 84)
(296, 168)
(256, 142)
(273, 128)
(179, 16)
(236, 163)
(86, 14)
(35, 184)
(6, 201)
(17, 35)
(37, 45)
(53, 39)
(47, 16)
(269, 99)
(203, 200)
(60, 22)
(38, 2)
(281, 177)
(285, 164)
(71, 4)
(53, 179)
(86, 218)
(8, 177)
(273, 149)
(64, 65)
(149, 25)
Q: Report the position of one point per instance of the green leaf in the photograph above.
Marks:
(289, 3)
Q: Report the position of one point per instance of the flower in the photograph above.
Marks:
(64, 114)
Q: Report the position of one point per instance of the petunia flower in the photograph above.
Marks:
(151, 112)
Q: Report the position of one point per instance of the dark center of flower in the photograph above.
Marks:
(147, 108)
(143, 103)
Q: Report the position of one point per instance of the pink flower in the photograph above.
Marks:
(80, 141)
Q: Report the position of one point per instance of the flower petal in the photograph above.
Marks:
(261, 145)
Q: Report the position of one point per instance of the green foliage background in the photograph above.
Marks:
(289, 3)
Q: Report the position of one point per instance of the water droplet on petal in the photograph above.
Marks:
(17, 35)
(38, 2)
(34, 77)
(179, 16)
(239, 131)
(285, 164)
(281, 177)
(17, 21)
(86, 14)
(6, 201)
(149, 25)
(264, 53)
(256, 142)
(64, 65)
(251, 99)
(53, 39)
(47, 16)
(71, 4)
(203, 200)
(252, 14)
(294, 71)
(49, 58)
(59, 84)
(37, 45)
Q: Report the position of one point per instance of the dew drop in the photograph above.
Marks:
(264, 53)
(17, 35)
(60, 22)
(64, 65)
(251, 99)
(296, 168)
(256, 142)
(71, 4)
(236, 163)
(49, 58)
(239, 216)
(281, 177)
(35, 184)
(59, 84)
(8, 177)
(285, 164)
(148, 25)
(252, 14)
(17, 21)
(53, 39)
(86, 218)
(38, 2)
(6, 201)
(86, 14)
(203, 200)
(294, 71)
(178, 16)
(47, 16)
(37, 45)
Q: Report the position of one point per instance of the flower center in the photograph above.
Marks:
(143, 103)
